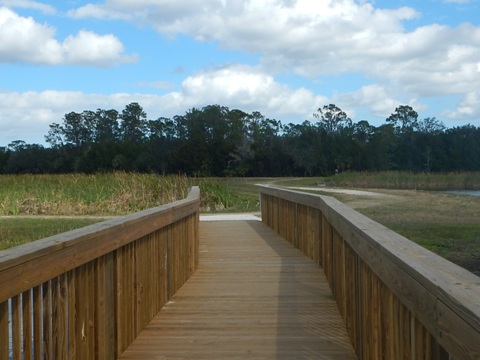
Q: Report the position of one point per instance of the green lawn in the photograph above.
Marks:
(16, 231)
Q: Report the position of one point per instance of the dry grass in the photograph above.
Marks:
(109, 194)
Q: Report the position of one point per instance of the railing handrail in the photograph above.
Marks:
(444, 297)
(114, 275)
(67, 243)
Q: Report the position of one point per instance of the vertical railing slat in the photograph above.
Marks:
(104, 308)
(27, 324)
(4, 330)
(47, 321)
(72, 337)
(37, 322)
(120, 301)
(17, 327)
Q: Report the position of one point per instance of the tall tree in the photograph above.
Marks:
(305, 148)
(134, 123)
(332, 118)
(404, 119)
(428, 141)
(382, 147)
(78, 129)
(405, 123)
(106, 126)
(362, 137)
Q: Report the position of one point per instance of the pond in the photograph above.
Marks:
(464, 192)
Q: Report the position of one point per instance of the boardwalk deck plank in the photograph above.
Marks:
(253, 296)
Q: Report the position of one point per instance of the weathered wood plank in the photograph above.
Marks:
(4, 330)
(16, 327)
(37, 322)
(104, 305)
(47, 320)
(253, 296)
(59, 315)
(27, 324)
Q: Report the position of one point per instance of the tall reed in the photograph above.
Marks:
(102, 194)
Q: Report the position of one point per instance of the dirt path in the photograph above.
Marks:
(342, 191)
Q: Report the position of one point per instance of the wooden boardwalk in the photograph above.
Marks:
(254, 296)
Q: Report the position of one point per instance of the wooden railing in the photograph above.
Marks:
(398, 300)
(87, 294)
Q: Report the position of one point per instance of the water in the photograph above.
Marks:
(464, 192)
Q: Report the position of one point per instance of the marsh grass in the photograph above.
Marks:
(100, 194)
(112, 194)
(107, 194)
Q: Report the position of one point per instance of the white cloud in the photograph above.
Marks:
(249, 89)
(380, 100)
(26, 41)
(98, 12)
(88, 48)
(316, 38)
(28, 4)
(468, 108)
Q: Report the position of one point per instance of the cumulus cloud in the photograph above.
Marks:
(24, 40)
(88, 48)
(379, 99)
(316, 38)
(468, 108)
(251, 89)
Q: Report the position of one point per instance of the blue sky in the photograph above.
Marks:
(284, 58)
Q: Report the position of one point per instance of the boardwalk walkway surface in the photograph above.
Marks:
(254, 296)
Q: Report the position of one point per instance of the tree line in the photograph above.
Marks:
(218, 141)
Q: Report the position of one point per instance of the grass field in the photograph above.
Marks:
(446, 224)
